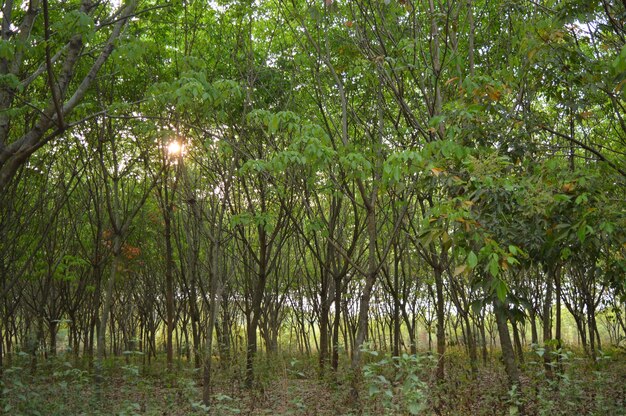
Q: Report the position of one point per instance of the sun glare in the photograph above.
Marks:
(174, 148)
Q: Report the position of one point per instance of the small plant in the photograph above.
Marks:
(403, 391)
(514, 401)
(224, 405)
(131, 409)
(294, 369)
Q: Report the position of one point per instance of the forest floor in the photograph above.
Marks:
(291, 387)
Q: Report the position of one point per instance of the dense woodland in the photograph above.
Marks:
(386, 206)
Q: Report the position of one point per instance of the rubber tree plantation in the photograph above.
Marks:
(313, 207)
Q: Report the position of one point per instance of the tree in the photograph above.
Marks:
(68, 72)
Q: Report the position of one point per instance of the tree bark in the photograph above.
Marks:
(508, 355)
(441, 320)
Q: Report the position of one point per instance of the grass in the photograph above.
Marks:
(291, 386)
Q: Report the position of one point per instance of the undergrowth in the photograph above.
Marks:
(292, 385)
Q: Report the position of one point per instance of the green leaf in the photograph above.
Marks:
(477, 306)
(472, 260)
(619, 63)
(241, 219)
(494, 267)
(501, 289)
(435, 121)
(272, 126)
(6, 50)
(511, 260)
(414, 408)
(373, 390)
(582, 233)
(9, 81)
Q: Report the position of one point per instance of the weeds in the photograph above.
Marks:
(401, 385)
(396, 385)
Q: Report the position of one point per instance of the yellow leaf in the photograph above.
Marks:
(459, 269)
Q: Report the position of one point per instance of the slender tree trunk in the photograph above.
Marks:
(364, 303)
(518, 342)
(257, 299)
(225, 336)
(508, 355)
(591, 325)
(471, 343)
(396, 305)
(324, 319)
(533, 326)
(251, 350)
(53, 328)
(483, 337)
(336, 324)
(106, 308)
(215, 288)
(547, 325)
(441, 319)
(169, 278)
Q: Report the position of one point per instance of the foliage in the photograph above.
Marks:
(405, 174)
(396, 385)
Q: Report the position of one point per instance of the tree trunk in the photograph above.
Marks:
(396, 305)
(364, 304)
(336, 324)
(169, 278)
(518, 342)
(106, 308)
(215, 289)
(547, 325)
(471, 343)
(533, 326)
(508, 355)
(441, 317)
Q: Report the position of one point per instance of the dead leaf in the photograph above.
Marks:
(437, 171)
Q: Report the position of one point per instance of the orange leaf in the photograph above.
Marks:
(437, 171)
